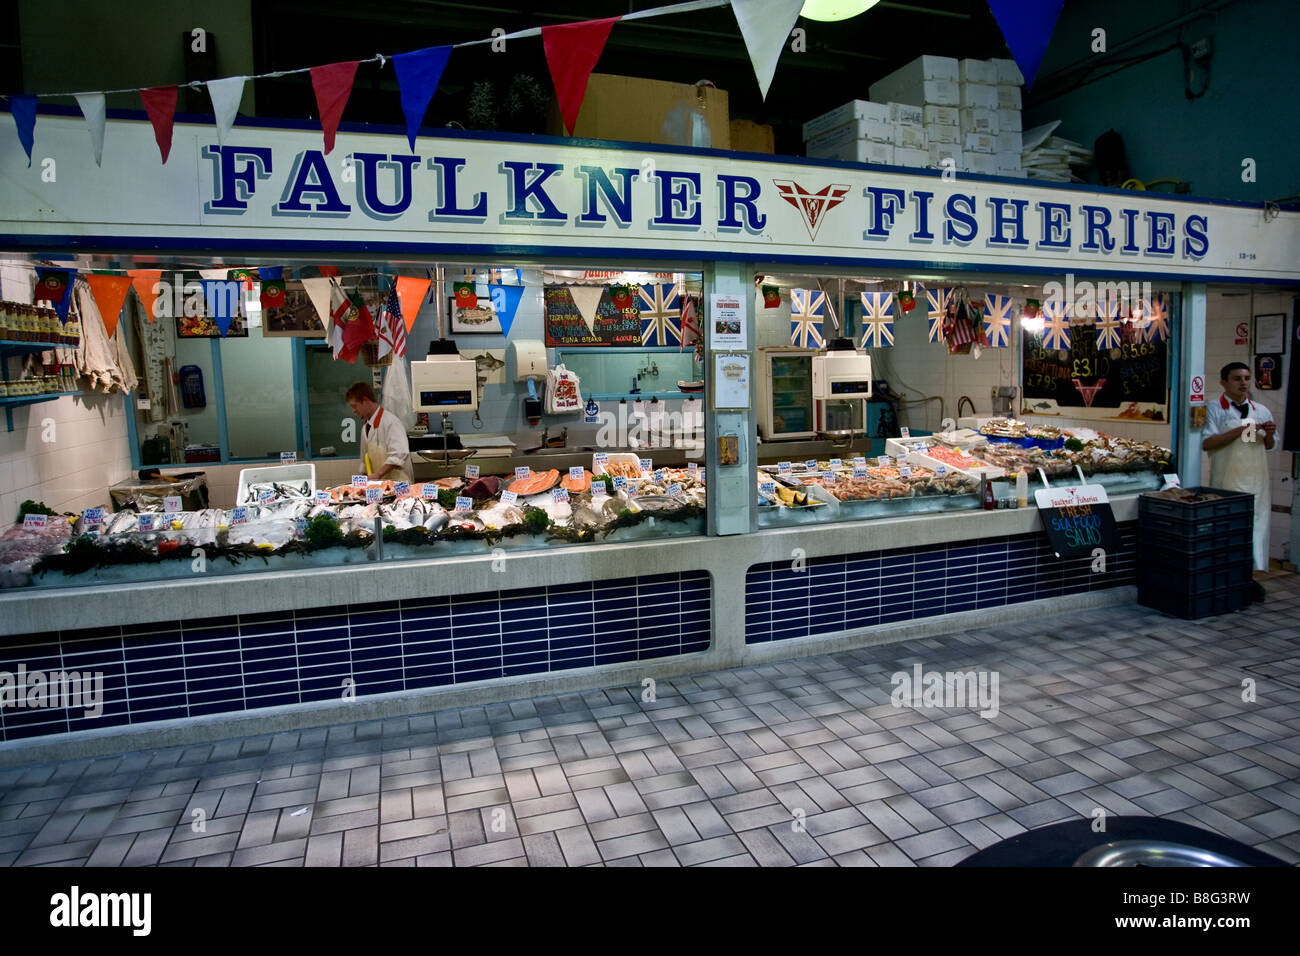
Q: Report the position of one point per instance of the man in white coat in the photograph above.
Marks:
(385, 450)
(1238, 435)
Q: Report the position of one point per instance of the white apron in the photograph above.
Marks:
(1243, 466)
(374, 454)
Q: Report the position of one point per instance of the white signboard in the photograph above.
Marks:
(730, 380)
(726, 321)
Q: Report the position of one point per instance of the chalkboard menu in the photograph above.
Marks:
(1077, 520)
(611, 326)
(1127, 382)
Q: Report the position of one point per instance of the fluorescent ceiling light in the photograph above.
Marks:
(829, 10)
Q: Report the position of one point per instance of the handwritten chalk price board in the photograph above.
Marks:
(1077, 520)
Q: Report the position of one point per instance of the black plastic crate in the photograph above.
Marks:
(1209, 527)
(1150, 539)
(1228, 503)
(1156, 553)
(1193, 606)
(1188, 584)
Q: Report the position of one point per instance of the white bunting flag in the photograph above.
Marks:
(587, 299)
(765, 25)
(318, 290)
(92, 107)
(226, 95)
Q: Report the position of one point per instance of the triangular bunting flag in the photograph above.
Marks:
(318, 290)
(143, 281)
(213, 273)
(24, 112)
(410, 296)
(160, 104)
(505, 302)
(765, 26)
(1027, 26)
(466, 297)
(572, 50)
(328, 270)
(332, 84)
(93, 109)
(109, 293)
(587, 298)
(418, 74)
(226, 95)
(55, 286)
(222, 304)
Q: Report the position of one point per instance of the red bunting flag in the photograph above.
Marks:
(333, 85)
(160, 104)
(329, 270)
(572, 50)
(109, 293)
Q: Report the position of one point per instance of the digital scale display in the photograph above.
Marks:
(452, 397)
(850, 388)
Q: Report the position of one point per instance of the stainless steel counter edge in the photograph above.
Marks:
(726, 558)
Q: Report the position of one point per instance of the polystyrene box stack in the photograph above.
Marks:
(857, 132)
(1010, 139)
(929, 83)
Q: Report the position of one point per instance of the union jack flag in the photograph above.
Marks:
(997, 320)
(812, 206)
(1109, 327)
(1155, 326)
(807, 311)
(1056, 325)
(661, 314)
(877, 320)
(938, 300)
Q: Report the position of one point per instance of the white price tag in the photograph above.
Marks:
(238, 515)
(464, 504)
(659, 474)
(173, 503)
(700, 474)
(165, 521)
(647, 465)
(402, 489)
(941, 470)
(859, 462)
(859, 471)
(884, 461)
(768, 487)
(674, 491)
(360, 481)
(598, 490)
(373, 495)
(509, 497)
(263, 496)
(471, 472)
(429, 491)
(288, 457)
(523, 472)
(602, 458)
(560, 494)
(93, 516)
(322, 497)
(905, 432)
(905, 471)
(300, 524)
(810, 464)
(145, 523)
(619, 482)
(828, 477)
(836, 463)
(692, 467)
(35, 521)
(577, 473)
(784, 467)
(1171, 481)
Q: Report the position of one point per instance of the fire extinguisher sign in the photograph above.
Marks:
(1197, 395)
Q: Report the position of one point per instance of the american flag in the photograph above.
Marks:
(997, 320)
(1056, 325)
(392, 330)
(1155, 328)
(661, 314)
(877, 320)
(807, 311)
(938, 300)
(1109, 325)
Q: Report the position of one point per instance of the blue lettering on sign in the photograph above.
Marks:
(960, 215)
(677, 191)
(368, 183)
(525, 183)
(617, 201)
(1130, 246)
(447, 210)
(1161, 234)
(921, 200)
(1197, 243)
(1001, 220)
(883, 210)
(232, 187)
(729, 202)
(1096, 222)
(311, 177)
(1056, 225)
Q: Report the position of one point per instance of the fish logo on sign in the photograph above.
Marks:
(591, 414)
(812, 207)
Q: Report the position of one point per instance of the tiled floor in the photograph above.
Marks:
(803, 762)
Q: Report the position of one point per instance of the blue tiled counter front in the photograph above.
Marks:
(837, 593)
(176, 669)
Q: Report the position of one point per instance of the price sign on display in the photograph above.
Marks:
(471, 472)
(700, 474)
(905, 471)
(429, 491)
(38, 521)
(509, 497)
(674, 491)
(647, 464)
(146, 521)
(577, 473)
(1077, 519)
(373, 495)
(1171, 481)
(905, 432)
(602, 458)
(659, 474)
(885, 461)
(402, 489)
(810, 464)
(464, 504)
(941, 470)
(828, 477)
(263, 496)
(238, 515)
(692, 467)
(598, 490)
(322, 497)
(619, 482)
(93, 516)
(836, 463)
(173, 503)
(784, 467)
(859, 471)
(560, 495)
(288, 457)
(360, 481)
(300, 524)
(523, 472)
(768, 487)
(859, 463)
(165, 521)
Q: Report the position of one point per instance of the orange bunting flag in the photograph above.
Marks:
(410, 296)
(109, 293)
(143, 281)
(572, 50)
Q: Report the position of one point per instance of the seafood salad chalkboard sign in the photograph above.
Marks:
(1091, 372)
(610, 325)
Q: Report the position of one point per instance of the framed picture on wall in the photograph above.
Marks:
(1270, 334)
(297, 318)
(1268, 372)
(480, 318)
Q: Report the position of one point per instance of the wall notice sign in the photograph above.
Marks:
(730, 380)
(1242, 335)
(1077, 519)
(173, 503)
(726, 321)
(591, 414)
(1197, 394)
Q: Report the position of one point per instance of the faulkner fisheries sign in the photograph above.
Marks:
(467, 193)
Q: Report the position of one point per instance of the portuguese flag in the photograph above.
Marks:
(771, 297)
(272, 287)
(55, 286)
(465, 297)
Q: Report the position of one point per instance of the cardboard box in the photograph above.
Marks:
(1011, 142)
(979, 95)
(633, 110)
(939, 92)
(856, 151)
(979, 121)
(984, 163)
(909, 137)
(942, 115)
(979, 143)
(1009, 121)
(978, 71)
(1008, 97)
(912, 157)
(940, 133)
(851, 112)
(902, 114)
(941, 151)
(750, 137)
(1008, 72)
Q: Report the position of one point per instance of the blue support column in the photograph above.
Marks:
(731, 493)
(1191, 364)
